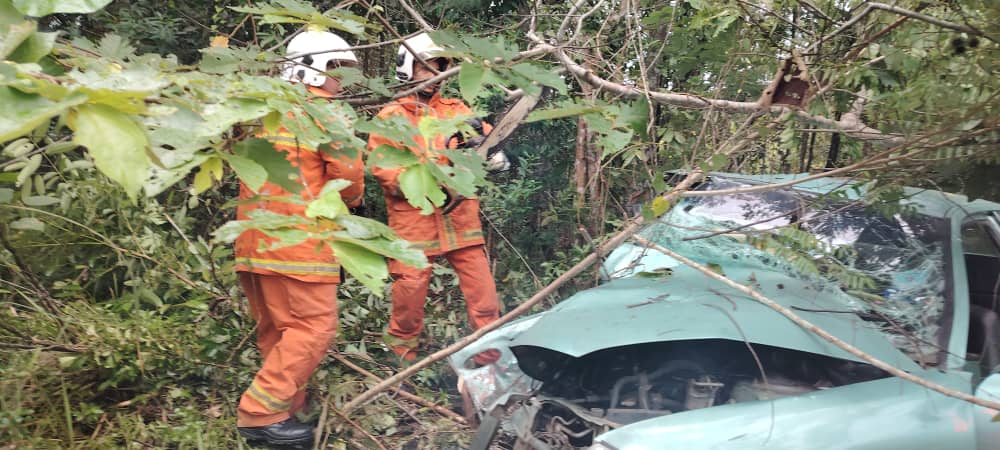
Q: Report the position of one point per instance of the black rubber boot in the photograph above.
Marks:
(290, 432)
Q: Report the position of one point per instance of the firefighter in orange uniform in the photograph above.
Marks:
(453, 230)
(292, 290)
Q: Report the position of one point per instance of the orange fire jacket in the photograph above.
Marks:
(308, 261)
(436, 233)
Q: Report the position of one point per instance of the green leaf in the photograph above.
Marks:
(115, 141)
(717, 162)
(448, 40)
(421, 189)
(250, 173)
(485, 49)
(364, 228)
(23, 112)
(8, 14)
(329, 204)
(13, 35)
(395, 248)
(28, 223)
(635, 115)
(41, 8)
(470, 80)
(368, 267)
(615, 140)
(39, 200)
(660, 206)
(220, 117)
(158, 180)
(540, 76)
(279, 170)
(394, 128)
(465, 173)
(225, 60)
(560, 112)
(37, 46)
(260, 219)
(203, 179)
(6, 195)
(287, 237)
(389, 157)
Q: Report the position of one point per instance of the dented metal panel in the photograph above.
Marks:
(688, 305)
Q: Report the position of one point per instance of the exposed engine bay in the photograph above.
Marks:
(581, 398)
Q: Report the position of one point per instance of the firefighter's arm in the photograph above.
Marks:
(339, 164)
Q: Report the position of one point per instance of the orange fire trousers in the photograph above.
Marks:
(296, 321)
(409, 293)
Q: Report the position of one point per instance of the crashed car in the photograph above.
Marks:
(662, 356)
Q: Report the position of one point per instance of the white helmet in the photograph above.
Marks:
(309, 52)
(424, 46)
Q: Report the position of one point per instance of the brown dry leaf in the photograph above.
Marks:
(214, 411)
(219, 41)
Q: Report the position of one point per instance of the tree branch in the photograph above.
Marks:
(416, 16)
(929, 19)
(849, 126)
(411, 397)
(880, 158)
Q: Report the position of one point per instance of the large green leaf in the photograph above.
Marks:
(36, 47)
(329, 204)
(224, 60)
(13, 35)
(8, 14)
(540, 76)
(569, 110)
(396, 248)
(250, 173)
(22, 112)
(279, 170)
(40, 8)
(296, 11)
(466, 172)
(470, 80)
(389, 157)
(116, 142)
(364, 228)
(220, 117)
(420, 188)
(365, 265)
(260, 219)
(395, 128)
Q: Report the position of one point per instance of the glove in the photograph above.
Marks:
(360, 210)
(476, 125)
(497, 162)
(451, 199)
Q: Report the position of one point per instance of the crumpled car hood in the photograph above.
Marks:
(688, 305)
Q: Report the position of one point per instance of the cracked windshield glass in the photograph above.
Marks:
(888, 266)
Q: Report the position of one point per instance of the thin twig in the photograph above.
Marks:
(408, 396)
(360, 428)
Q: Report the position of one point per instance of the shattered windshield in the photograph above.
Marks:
(889, 267)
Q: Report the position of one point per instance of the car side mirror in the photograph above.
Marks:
(987, 430)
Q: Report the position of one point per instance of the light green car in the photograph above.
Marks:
(661, 356)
